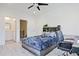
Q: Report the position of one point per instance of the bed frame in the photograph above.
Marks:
(47, 50)
(37, 52)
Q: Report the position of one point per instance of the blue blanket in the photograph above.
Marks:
(41, 42)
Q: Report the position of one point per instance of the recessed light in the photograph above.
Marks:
(7, 18)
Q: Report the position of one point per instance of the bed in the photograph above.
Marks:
(42, 44)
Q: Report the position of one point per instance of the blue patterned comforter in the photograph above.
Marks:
(41, 42)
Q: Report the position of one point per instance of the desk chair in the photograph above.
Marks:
(65, 46)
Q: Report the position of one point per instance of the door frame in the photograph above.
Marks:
(15, 28)
(26, 25)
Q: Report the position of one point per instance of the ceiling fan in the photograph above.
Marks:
(37, 5)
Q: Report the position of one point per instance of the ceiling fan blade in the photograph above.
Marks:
(38, 8)
(42, 4)
(30, 6)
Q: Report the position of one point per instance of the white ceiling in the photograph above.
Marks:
(21, 8)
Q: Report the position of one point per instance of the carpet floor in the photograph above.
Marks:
(15, 49)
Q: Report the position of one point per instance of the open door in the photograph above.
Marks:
(23, 28)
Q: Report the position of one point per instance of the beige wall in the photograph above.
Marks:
(64, 14)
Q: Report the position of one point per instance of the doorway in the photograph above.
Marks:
(23, 29)
(10, 29)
